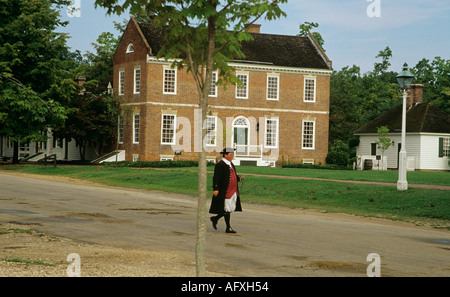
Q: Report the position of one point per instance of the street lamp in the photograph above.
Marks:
(404, 79)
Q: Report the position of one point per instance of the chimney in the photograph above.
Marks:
(80, 80)
(415, 95)
(254, 28)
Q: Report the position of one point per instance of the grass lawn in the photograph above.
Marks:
(415, 205)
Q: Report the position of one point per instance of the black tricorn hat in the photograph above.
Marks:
(227, 150)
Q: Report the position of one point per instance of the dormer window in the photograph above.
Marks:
(130, 48)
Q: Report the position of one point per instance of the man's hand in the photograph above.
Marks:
(215, 193)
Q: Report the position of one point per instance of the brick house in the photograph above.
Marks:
(281, 112)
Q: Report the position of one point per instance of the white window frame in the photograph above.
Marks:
(446, 147)
(269, 77)
(120, 129)
(130, 48)
(121, 82)
(211, 134)
(137, 80)
(174, 136)
(313, 142)
(246, 85)
(213, 89)
(165, 70)
(136, 128)
(276, 133)
(306, 95)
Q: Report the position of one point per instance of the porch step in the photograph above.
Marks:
(249, 163)
(110, 157)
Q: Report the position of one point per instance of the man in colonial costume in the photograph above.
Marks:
(225, 198)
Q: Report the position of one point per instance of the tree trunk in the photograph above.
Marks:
(15, 158)
(82, 149)
(203, 90)
(202, 192)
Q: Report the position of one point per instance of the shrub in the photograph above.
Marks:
(155, 164)
(315, 166)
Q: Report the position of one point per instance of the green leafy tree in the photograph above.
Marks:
(29, 46)
(24, 116)
(346, 103)
(356, 98)
(306, 28)
(92, 112)
(383, 142)
(435, 76)
(204, 35)
(30, 67)
(92, 119)
(99, 65)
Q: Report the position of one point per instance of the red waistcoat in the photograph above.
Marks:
(232, 187)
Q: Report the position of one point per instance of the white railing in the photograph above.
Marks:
(247, 150)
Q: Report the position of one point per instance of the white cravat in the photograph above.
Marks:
(227, 162)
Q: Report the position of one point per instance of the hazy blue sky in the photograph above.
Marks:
(354, 30)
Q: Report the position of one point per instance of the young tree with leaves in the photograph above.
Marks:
(383, 142)
(202, 36)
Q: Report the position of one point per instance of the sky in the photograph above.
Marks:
(354, 30)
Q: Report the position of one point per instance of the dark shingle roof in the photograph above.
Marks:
(278, 50)
(283, 50)
(422, 117)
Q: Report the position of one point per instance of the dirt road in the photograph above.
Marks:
(123, 232)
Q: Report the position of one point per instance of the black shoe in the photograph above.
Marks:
(214, 222)
(229, 230)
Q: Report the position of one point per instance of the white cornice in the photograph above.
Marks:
(255, 67)
(228, 107)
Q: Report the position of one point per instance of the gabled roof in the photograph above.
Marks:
(277, 50)
(422, 117)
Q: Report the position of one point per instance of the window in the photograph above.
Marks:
(136, 128)
(120, 128)
(308, 135)
(373, 149)
(272, 87)
(242, 91)
(168, 129)
(310, 90)
(137, 80)
(271, 138)
(130, 48)
(170, 81)
(211, 133)
(121, 81)
(444, 147)
(213, 89)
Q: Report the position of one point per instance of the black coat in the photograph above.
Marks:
(221, 180)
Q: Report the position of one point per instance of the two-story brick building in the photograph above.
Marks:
(280, 113)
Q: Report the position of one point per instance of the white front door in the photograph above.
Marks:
(241, 135)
